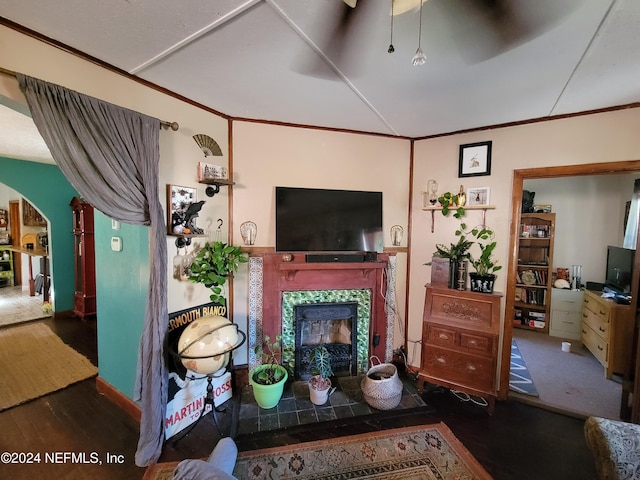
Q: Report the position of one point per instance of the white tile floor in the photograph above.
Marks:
(17, 306)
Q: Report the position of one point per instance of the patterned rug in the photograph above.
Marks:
(520, 380)
(425, 452)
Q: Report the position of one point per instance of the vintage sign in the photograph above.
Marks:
(188, 390)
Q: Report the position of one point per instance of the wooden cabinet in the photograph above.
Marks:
(84, 299)
(607, 331)
(460, 334)
(566, 313)
(6, 268)
(534, 277)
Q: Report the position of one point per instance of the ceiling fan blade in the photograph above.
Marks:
(486, 28)
(336, 43)
(404, 6)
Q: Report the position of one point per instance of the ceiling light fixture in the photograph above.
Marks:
(419, 58)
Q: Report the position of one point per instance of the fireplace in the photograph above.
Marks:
(333, 325)
(280, 282)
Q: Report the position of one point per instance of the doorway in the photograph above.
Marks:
(520, 176)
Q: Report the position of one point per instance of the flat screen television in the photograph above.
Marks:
(619, 269)
(321, 220)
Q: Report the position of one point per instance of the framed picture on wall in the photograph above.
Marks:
(478, 196)
(30, 216)
(179, 199)
(475, 159)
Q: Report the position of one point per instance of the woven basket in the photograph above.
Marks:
(381, 387)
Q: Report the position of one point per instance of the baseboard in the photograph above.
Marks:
(117, 397)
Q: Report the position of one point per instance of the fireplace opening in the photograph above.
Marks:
(333, 325)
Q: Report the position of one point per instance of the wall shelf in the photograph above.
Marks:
(214, 185)
(438, 208)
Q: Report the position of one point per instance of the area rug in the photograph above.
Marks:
(520, 380)
(424, 452)
(34, 362)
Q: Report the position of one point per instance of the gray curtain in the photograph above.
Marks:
(631, 232)
(110, 155)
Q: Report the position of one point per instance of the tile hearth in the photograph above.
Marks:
(295, 408)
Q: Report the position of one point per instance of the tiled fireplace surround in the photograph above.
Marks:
(278, 282)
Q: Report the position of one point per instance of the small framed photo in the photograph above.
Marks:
(478, 196)
(475, 159)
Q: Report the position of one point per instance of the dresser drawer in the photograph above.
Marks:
(595, 344)
(459, 368)
(599, 325)
(473, 311)
(466, 341)
(597, 306)
(566, 321)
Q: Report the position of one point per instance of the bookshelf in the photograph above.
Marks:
(534, 279)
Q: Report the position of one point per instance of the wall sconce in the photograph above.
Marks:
(249, 231)
(396, 235)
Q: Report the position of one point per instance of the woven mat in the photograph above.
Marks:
(426, 452)
(34, 361)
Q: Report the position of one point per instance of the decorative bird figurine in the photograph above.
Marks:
(190, 217)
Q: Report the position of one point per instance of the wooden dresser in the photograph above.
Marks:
(460, 333)
(607, 331)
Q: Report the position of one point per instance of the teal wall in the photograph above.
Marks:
(121, 292)
(48, 190)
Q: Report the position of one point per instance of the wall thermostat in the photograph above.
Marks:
(116, 244)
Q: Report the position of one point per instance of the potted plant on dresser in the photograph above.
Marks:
(320, 383)
(453, 256)
(212, 266)
(485, 265)
(268, 379)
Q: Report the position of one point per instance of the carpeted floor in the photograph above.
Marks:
(570, 382)
(426, 452)
(34, 362)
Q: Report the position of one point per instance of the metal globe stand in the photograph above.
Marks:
(209, 397)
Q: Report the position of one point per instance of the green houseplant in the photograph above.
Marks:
(455, 253)
(450, 200)
(320, 383)
(269, 378)
(212, 266)
(485, 265)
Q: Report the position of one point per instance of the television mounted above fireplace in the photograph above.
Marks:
(322, 220)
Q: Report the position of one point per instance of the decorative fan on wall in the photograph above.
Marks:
(208, 145)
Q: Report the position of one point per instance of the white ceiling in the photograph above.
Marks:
(273, 59)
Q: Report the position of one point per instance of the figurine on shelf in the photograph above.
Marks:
(190, 218)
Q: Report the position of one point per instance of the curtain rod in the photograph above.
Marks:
(172, 125)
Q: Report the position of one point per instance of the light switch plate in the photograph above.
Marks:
(116, 244)
(115, 224)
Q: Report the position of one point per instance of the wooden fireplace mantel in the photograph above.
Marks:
(284, 272)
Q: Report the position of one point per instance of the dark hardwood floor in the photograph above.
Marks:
(517, 442)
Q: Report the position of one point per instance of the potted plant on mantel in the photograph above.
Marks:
(485, 266)
(212, 266)
(269, 378)
(320, 383)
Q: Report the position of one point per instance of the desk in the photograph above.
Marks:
(34, 252)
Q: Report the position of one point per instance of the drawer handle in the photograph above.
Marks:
(600, 348)
(601, 329)
(584, 331)
(602, 313)
(443, 336)
(441, 360)
(472, 343)
(584, 315)
(471, 368)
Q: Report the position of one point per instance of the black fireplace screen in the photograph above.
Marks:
(333, 325)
